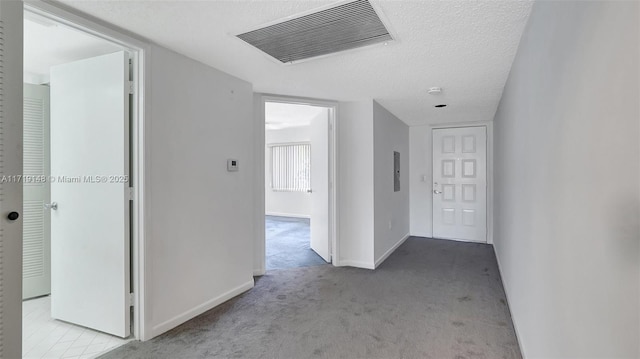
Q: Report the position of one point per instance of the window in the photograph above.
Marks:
(291, 167)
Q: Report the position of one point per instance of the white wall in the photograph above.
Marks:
(567, 163)
(355, 184)
(420, 188)
(199, 232)
(288, 204)
(391, 209)
(367, 136)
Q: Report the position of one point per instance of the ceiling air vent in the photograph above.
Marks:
(339, 28)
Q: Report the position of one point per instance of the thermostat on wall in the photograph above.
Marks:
(232, 165)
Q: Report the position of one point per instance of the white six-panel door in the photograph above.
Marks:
(460, 184)
(90, 270)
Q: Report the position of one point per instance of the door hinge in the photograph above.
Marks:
(132, 193)
(131, 87)
(132, 299)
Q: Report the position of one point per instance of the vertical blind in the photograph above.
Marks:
(291, 167)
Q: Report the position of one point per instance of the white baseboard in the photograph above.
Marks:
(294, 215)
(506, 293)
(420, 234)
(194, 312)
(459, 240)
(357, 264)
(391, 250)
(259, 272)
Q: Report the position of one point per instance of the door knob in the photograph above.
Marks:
(12, 216)
(52, 205)
(436, 191)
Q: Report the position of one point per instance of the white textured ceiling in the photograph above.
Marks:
(48, 44)
(284, 115)
(465, 47)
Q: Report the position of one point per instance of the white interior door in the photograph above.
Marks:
(90, 163)
(10, 189)
(36, 240)
(320, 186)
(460, 183)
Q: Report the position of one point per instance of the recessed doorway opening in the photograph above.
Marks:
(298, 147)
(80, 164)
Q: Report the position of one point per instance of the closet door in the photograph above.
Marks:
(36, 237)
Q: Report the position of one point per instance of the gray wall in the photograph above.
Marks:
(391, 208)
(567, 182)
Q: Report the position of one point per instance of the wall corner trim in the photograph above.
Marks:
(199, 309)
(391, 250)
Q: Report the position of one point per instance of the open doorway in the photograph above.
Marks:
(297, 185)
(76, 184)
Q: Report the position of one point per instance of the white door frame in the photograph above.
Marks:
(259, 267)
(138, 50)
(489, 126)
(11, 199)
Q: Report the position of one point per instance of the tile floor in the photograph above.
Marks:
(43, 337)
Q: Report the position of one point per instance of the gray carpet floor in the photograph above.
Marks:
(287, 243)
(429, 299)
